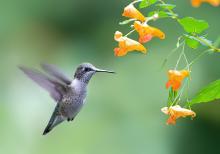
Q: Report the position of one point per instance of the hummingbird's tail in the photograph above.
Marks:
(55, 119)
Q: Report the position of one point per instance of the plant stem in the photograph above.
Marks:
(199, 56)
(180, 56)
(137, 1)
(130, 32)
(170, 54)
(171, 11)
(207, 44)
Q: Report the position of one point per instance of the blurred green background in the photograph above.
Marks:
(122, 113)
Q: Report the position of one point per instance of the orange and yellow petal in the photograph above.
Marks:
(176, 112)
(197, 3)
(146, 32)
(117, 35)
(131, 12)
(120, 52)
(126, 45)
(175, 78)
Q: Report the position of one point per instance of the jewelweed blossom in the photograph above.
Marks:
(176, 112)
(131, 12)
(126, 45)
(146, 32)
(175, 78)
(197, 3)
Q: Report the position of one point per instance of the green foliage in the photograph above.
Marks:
(166, 6)
(191, 25)
(162, 14)
(207, 94)
(191, 41)
(146, 3)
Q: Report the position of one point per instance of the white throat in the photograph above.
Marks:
(78, 85)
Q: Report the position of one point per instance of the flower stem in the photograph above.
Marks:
(170, 54)
(130, 32)
(180, 56)
(199, 56)
(137, 1)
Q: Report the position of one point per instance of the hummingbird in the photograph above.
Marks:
(69, 94)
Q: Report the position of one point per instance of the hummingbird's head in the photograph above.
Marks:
(85, 71)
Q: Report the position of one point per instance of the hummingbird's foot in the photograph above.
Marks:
(70, 119)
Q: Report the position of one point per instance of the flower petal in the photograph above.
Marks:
(197, 3)
(131, 12)
(175, 78)
(146, 32)
(126, 45)
(176, 112)
(117, 35)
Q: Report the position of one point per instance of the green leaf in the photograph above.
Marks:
(126, 21)
(192, 25)
(191, 41)
(200, 39)
(161, 14)
(207, 94)
(146, 3)
(166, 6)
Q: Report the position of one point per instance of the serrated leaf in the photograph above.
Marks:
(191, 41)
(207, 94)
(126, 21)
(192, 25)
(146, 3)
(166, 6)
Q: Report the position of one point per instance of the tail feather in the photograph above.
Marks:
(55, 119)
(47, 129)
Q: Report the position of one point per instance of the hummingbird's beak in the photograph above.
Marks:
(100, 70)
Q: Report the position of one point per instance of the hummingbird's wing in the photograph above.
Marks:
(55, 72)
(55, 88)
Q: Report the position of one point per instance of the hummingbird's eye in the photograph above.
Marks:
(87, 69)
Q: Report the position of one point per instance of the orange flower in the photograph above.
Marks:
(176, 112)
(146, 33)
(131, 12)
(176, 78)
(126, 45)
(197, 3)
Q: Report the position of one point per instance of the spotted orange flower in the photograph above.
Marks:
(176, 78)
(197, 3)
(146, 32)
(131, 12)
(126, 45)
(176, 112)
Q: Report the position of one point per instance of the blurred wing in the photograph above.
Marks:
(55, 88)
(55, 72)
